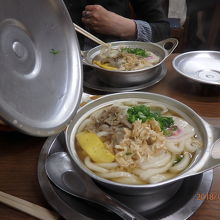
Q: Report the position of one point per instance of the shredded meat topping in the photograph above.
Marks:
(112, 120)
(143, 140)
(131, 143)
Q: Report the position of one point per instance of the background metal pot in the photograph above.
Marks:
(135, 77)
(202, 161)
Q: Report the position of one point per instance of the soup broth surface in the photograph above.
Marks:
(136, 142)
(125, 58)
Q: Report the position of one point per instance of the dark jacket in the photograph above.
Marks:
(146, 10)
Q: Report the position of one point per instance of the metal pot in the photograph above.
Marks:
(206, 159)
(135, 77)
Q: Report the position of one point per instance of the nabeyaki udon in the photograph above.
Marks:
(136, 142)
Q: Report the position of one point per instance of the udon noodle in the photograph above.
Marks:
(125, 59)
(142, 150)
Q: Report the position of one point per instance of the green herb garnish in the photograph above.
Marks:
(169, 131)
(165, 122)
(128, 153)
(143, 113)
(54, 52)
(136, 51)
(179, 157)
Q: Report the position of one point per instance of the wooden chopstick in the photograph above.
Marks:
(87, 34)
(28, 207)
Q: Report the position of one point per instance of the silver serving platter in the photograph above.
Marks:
(91, 81)
(181, 206)
(201, 66)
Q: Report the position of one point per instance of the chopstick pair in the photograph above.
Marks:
(28, 207)
(88, 35)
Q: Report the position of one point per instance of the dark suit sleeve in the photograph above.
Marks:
(152, 12)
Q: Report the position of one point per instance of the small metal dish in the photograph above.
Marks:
(201, 66)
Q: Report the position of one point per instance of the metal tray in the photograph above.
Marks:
(92, 82)
(181, 206)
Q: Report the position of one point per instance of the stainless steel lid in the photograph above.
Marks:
(40, 66)
(201, 66)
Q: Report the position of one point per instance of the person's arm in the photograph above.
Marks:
(150, 23)
(150, 11)
(143, 31)
(106, 22)
(102, 21)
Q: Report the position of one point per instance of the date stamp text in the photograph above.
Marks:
(211, 196)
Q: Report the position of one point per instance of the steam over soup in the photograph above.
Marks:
(136, 142)
(125, 58)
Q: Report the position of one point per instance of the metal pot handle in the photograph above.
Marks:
(215, 151)
(84, 55)
(172, 42)
(213, 159)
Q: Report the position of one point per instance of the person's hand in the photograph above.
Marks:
(106, 22)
